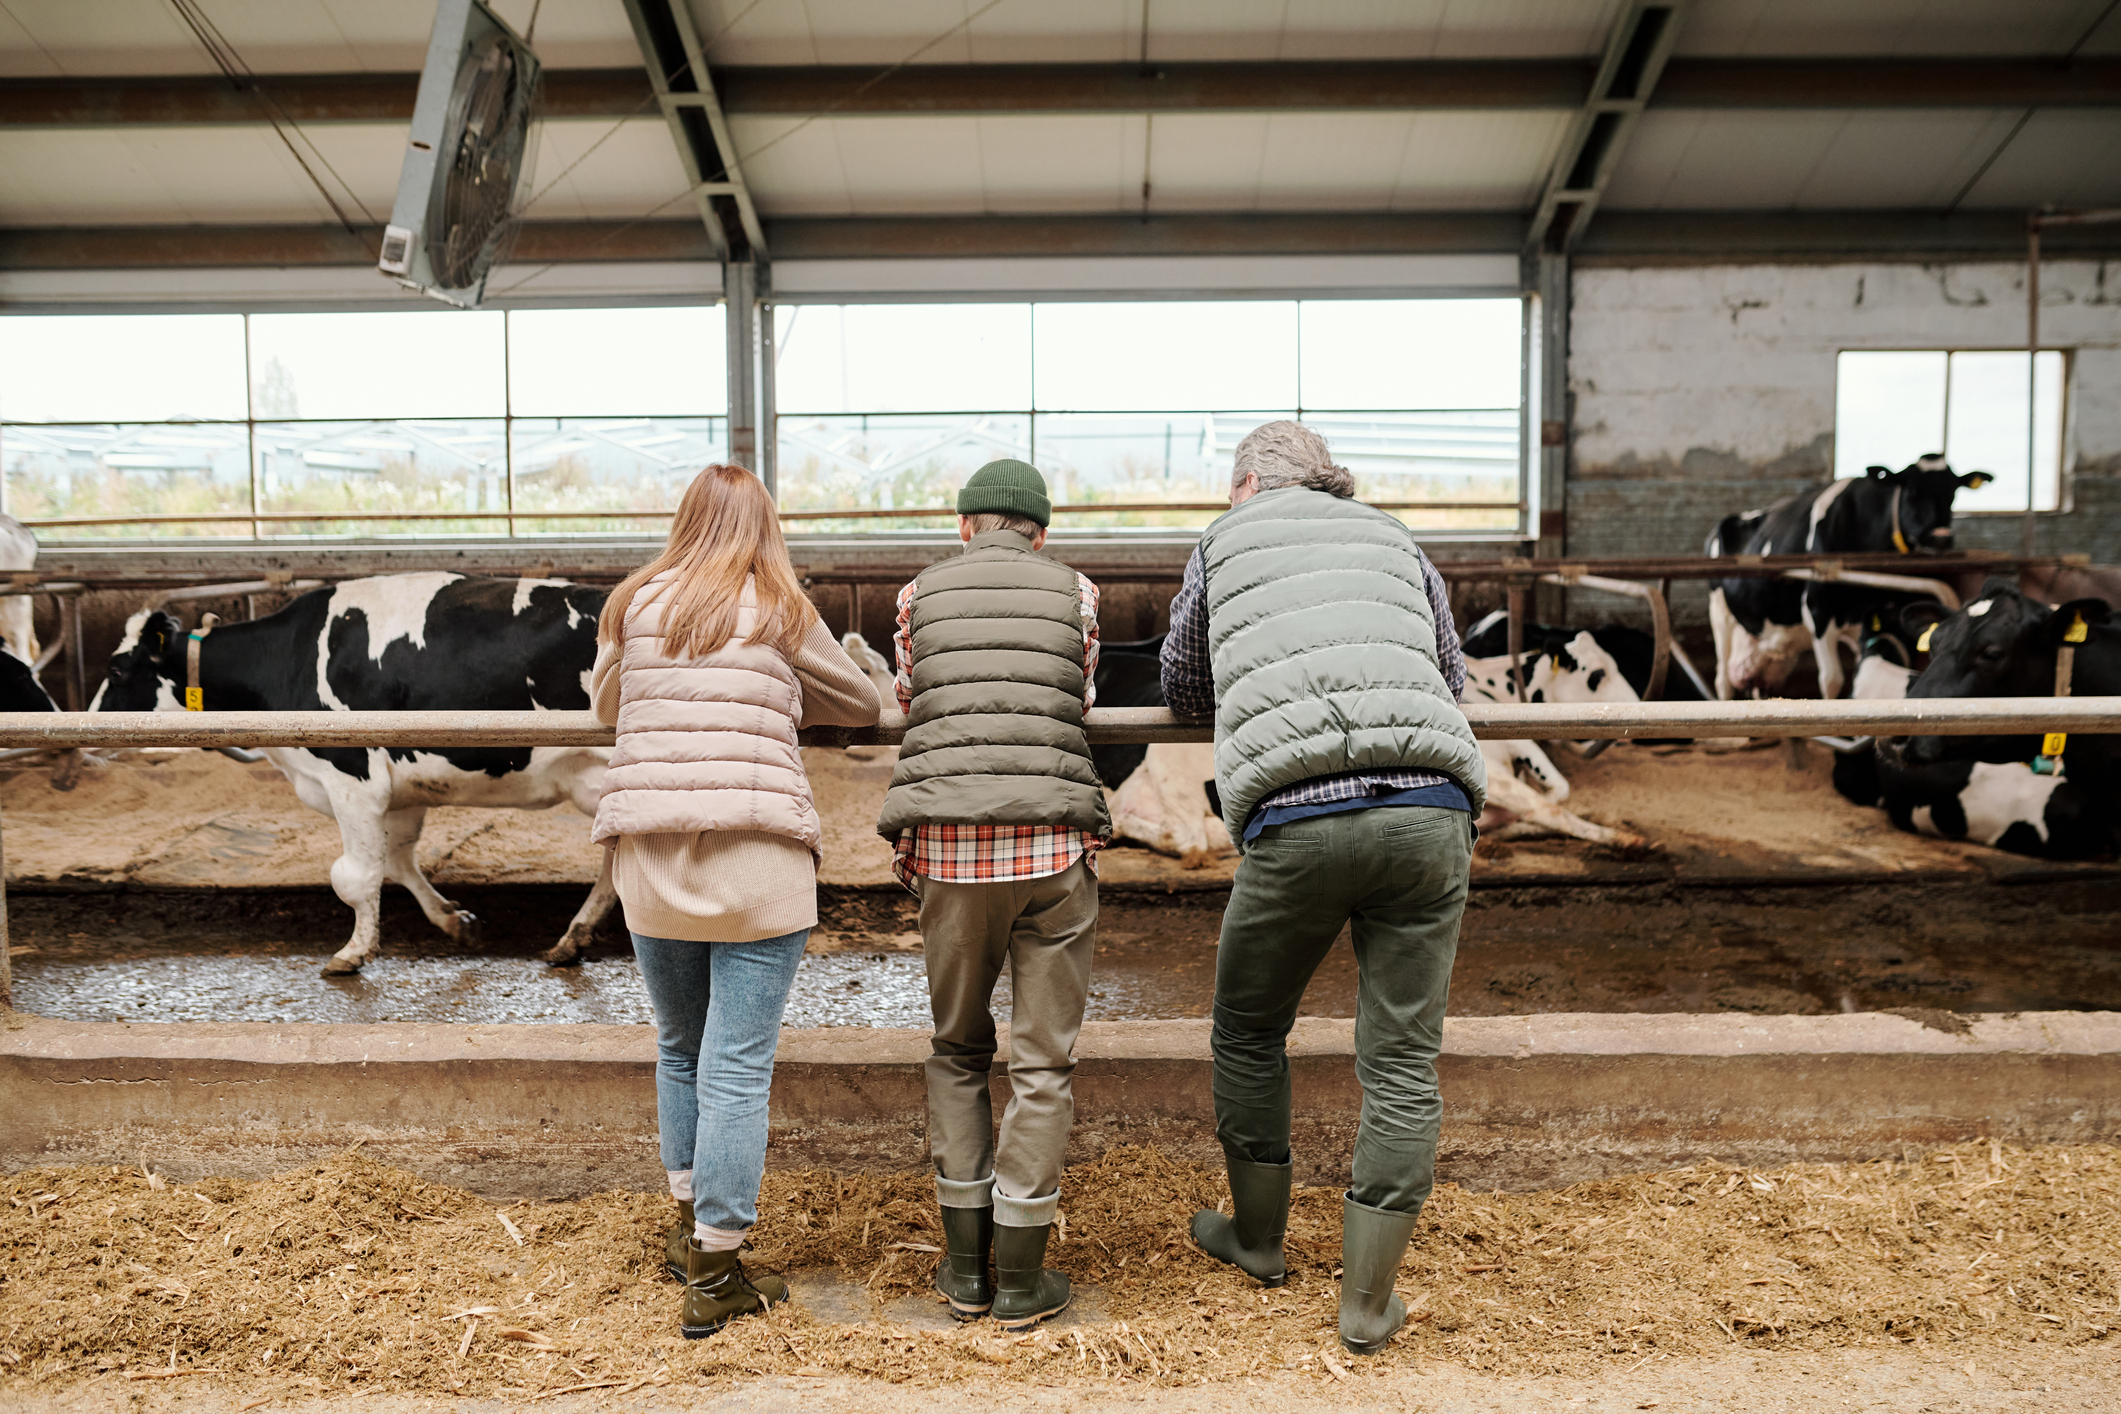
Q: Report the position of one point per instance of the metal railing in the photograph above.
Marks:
(1108, 726)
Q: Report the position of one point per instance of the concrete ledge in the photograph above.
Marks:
(1529, 1101)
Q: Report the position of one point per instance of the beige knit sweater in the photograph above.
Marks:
(733, 886)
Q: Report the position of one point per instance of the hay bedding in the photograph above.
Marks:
(352, 1275)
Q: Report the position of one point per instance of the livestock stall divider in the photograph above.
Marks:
(60, 731)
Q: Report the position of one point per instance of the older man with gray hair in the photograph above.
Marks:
(1320, 637)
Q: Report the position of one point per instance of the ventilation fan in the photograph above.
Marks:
(467, 170)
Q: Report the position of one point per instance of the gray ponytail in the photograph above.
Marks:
(1288, 453)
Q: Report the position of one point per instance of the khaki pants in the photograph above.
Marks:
(1044, 930)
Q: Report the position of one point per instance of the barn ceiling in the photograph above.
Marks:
(1858, 127)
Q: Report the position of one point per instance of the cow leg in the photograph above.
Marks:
(575, 941)
(357, 877)
(1720, 624)
(401, 865)
(584, 789)
(1826, 652)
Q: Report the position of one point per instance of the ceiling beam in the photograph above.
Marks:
(1385, 86)
(677, 70)
(200, 101)
(1635, 58)
(1620, 238)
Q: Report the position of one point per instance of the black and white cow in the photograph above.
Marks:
(19, 689)
(1763, 626)
(2006, 805)
(1608, 663)
(18, 552)
(2005, 644)
(1163, 795)
(398, 643)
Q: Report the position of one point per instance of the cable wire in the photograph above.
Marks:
(240, 73)
(737, 164)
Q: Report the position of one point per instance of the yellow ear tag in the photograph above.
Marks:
(2053, 743)
(195, 699)
(1922, 644)
(2078, 631)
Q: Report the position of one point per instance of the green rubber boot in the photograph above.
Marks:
(1371, 1243)
(961, 1277)
(1025, 1292)
(718, 1290)
(1251, 1238)
(675, 1239)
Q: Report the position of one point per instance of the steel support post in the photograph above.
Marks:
(741, 305)
(769, 360)
(1548, 409)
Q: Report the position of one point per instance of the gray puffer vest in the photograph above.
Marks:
(995, 736)
(1323, 648)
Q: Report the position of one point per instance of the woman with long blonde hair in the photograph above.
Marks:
(709, 659)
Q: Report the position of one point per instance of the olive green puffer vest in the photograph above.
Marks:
(995, 736)
(1324, 651)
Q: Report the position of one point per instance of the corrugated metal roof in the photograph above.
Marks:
(846, 165)
(1867, 159)
(51, 38)
(174, 176)
(1215, 162)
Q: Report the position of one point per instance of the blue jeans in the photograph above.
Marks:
(717, 1022)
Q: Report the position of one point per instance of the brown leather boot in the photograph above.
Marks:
(718, 1290)
(674, 1241)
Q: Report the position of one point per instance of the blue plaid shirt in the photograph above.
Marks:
(1189, 688)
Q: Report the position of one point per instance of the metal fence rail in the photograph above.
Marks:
(62, 731)
(1108, 725)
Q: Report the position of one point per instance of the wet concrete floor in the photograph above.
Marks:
(253, 955)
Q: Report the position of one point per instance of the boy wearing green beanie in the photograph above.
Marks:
(996, 814)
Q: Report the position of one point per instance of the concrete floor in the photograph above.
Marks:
(1970, 945)
(1897, 1380)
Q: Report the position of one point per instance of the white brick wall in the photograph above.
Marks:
(1738, 361)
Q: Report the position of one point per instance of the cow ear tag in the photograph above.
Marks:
(2078, 630)
(1922, 644)
(194, 699)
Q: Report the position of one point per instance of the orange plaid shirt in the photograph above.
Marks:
(967, 854)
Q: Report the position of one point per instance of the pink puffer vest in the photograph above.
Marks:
(705, 743)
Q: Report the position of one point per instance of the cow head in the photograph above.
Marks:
(2003, 644)
(147, 671)
(1577, 669)
(1923, 491)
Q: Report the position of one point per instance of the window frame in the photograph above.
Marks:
(258, 522)
(2064, 403)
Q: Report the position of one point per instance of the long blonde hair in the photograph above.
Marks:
(725, 532)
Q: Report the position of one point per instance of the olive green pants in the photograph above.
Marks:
(1043, 931)
(1397, 874)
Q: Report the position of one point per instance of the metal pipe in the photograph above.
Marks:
(908, 512)
(1107, 725)
(2032, 372)
(1660, 620)
(76, 663)
(1936, 588)
(1514, 644)
(189, 593)
(1686, 665)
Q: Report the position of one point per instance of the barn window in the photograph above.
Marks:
(430, 422)
(1139, 404)
(1971, 404)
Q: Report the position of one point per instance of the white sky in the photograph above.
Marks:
(1261, 355)
(1891, 407)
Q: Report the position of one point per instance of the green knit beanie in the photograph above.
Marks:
(1009, 486)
